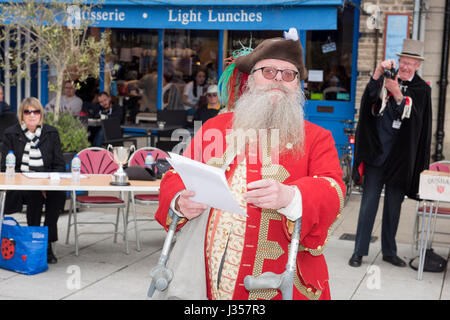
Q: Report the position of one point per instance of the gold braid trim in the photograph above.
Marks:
(319, 250)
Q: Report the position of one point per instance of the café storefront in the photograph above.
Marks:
(149, 36)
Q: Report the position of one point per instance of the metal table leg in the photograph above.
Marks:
(2, 209)
(427, 216)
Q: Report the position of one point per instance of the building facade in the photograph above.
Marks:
(426, 23)
(343, 42)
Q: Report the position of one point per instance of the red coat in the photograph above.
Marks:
(317, 175)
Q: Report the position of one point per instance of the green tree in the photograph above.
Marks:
(58, 35)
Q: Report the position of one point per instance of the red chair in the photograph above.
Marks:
(138, 159)
(443, 212)
(96, 160)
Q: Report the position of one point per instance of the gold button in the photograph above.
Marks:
(315, 177)
(289, 145)
(316, 293)
(319, 248)
(228, 169)
(338, 216)
(333, 184)
(309, 290)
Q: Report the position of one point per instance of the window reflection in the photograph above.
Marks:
(328, 60)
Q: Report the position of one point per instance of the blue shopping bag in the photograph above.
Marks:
(23, 249)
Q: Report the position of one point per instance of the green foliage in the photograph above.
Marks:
(72, 132)
(73, 52)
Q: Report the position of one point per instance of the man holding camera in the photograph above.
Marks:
(392, 146)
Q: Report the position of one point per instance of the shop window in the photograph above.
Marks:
(237, 39)
(134, 53)
(133, 66)
(328, 59)
(188, 51)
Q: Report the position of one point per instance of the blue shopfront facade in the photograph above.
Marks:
(323, 26)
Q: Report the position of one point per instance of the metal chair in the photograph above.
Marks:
(95, 160)
(138, 159)
(442, 212)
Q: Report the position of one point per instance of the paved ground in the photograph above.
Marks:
(103, 270)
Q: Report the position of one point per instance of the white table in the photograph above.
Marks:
(93, 182)
(433, 188)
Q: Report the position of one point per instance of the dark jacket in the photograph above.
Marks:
(203, 114)
(4, 107)
(49, 143)
(410, 153)
(115, 111)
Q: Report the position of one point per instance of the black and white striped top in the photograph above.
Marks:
(32, 157)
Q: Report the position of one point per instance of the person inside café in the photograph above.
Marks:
(4, 107)
(37, 147)
(172, 99)
(211, 108)
(149, 85)
(194, 91)
(104, 109)
(69, 101)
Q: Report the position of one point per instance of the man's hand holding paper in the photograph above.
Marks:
(190, 209)
(208, 185)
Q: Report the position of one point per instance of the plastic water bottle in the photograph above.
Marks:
(76, 167)
(149, 162)
(10, 164)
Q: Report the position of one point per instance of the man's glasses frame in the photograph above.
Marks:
(28, 112)
(270, 73)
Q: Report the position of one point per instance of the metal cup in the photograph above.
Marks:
(120, 155)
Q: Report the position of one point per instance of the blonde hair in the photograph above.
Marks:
(33, 103)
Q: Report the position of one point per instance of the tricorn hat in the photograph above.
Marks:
(412, 49)
(288, 49)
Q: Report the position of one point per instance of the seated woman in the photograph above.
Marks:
(193, 92)
(37, 147)
(211, 108)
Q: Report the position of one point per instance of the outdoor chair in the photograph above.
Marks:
(138, 159)
(443, 211)
(176, 118)
(113, 133)
(95, 160)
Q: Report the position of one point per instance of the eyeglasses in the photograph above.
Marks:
(28, 112)
(408, 64)
(211, 94)
(270, 73)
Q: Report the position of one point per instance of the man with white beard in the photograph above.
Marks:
(279, 168)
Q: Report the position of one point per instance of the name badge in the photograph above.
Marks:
(396, 124)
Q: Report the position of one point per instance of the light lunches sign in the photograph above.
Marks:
(241, 18)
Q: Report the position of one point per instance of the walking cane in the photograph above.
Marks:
(161, 275)
(285, 281)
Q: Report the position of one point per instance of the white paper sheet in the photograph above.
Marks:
(315, 75)
(46, 175)
(208, 183)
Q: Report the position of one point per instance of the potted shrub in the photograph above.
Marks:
(72, 133)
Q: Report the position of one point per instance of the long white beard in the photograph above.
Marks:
(274, 111)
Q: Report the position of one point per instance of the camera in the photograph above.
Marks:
(390, 73)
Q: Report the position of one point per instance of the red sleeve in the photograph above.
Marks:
(171, 184)
(322, 192)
